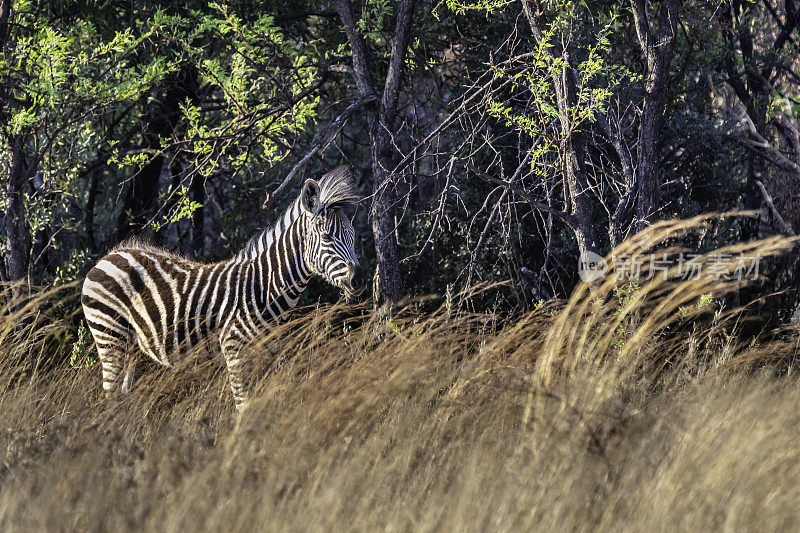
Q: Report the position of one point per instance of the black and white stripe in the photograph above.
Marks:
(166, 305)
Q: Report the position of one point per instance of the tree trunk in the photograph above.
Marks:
(390, 278)
(658, 51)
(753, 91)
(15, 221)
(574, 147)
(575, 163)
(381, 120)
(16, 229)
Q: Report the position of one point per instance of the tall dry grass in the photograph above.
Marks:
(615, 410)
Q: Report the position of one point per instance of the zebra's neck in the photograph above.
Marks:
(273, 265)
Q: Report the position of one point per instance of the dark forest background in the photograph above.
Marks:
(493, 140)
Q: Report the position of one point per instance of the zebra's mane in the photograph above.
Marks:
(337, 191)
(137, 243)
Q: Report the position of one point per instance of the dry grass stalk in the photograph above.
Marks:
(423, 422)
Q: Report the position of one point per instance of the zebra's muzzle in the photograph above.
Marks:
(355, 280)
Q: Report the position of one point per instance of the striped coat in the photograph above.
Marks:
(140, 299)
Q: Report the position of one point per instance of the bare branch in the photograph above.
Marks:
(785, 227)
(568, 219)
(361, 71)
(394, 76)
(642, 27)
(333, 129)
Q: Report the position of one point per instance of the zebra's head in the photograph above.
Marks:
(330, 238)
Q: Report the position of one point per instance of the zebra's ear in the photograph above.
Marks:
(309, 196)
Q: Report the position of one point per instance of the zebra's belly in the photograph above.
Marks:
(172, 348)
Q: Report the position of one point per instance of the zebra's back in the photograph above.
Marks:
(142, 294)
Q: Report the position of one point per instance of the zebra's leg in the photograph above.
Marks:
(127, 381)
(115, 355)
(112, 360)
(235, 361)
(127, 377)
(237, 376)
(233, 347)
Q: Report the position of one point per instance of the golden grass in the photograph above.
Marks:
(587, 414)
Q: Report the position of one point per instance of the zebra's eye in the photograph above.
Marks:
(326, 237)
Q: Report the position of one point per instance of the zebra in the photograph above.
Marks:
(145, 297)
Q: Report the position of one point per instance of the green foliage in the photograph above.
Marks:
(183, 208)
(99, 94)
(373, 16)
(60, 76)
(703, 302)
(80, 355)
(625, 296)
(259, 75)
(597, 79)
(488, 6)
(72, 269)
